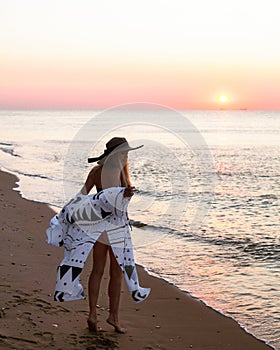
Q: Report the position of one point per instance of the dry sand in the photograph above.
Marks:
(30, 319)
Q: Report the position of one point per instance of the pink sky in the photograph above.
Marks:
(89, 58)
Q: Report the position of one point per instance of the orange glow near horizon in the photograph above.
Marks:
(81, 85)
(92, 58)
(42, 85)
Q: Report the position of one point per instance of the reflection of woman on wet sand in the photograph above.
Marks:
(111, 171)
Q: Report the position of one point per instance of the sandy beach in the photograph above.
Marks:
(30, 319)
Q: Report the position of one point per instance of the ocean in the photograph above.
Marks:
(206, 213)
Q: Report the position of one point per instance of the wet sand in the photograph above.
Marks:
(30, 319)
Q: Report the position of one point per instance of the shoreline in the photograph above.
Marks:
(169, 319)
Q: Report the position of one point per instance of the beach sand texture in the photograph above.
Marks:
(30, 319)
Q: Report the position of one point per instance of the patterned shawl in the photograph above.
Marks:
(78, 226)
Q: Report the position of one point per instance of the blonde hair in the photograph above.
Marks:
(124, 174)
(125, 177)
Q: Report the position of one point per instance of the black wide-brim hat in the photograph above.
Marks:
(117, 144)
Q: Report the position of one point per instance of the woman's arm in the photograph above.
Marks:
(90, 181)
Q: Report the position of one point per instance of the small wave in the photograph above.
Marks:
(268, 196)
(144, 193)
(41, 176)
(9, 151)
(138, 224)
(268, 252)
(201, 237)
(161, 229)
(258, 250)
(5, 144)
(36, 176)
(263, 251)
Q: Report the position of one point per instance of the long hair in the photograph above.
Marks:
(124, 173)
(125, 177)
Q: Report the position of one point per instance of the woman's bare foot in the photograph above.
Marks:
(117, 327)
(92, 325)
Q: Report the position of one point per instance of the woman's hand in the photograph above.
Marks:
(129, 191)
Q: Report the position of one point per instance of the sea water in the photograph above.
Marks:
(208, 194)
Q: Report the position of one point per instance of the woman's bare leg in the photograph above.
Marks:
(99, 261)
(115, 293)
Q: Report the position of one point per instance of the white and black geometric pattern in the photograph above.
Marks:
(78, 226)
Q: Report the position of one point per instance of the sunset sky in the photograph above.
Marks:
(183, 54)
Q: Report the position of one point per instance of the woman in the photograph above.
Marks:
(111, 171)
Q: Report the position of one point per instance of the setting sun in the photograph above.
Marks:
(223, 98)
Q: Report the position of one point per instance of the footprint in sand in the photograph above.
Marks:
(73, 339)
(97, 342)
(45, 338)
(17, 343)
(23, 293)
